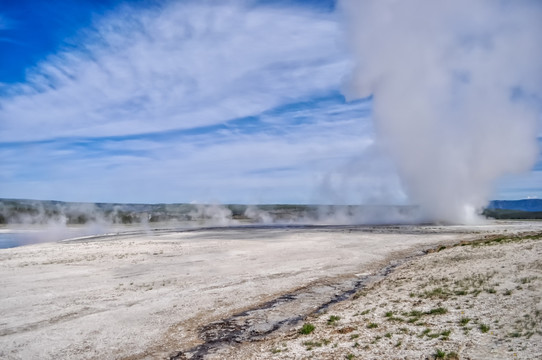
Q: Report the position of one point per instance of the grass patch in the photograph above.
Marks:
(333, 319)
(398, 319)
(372, 325)
(437, 293)
(306, 329)
(415, 313)
(376, 339)
(311, 344)
(441, 354)
(484, 328)
(443, 335)
(437, 311)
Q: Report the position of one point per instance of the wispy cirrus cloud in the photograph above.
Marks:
(280, 156)
(195, 101)
(230, 102)
(179, 66)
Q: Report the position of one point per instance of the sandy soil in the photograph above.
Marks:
(148, 295)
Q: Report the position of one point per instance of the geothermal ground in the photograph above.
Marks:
(244, 292)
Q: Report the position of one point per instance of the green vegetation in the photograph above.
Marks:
(437, 293)
(372, 325)
(306, 329)
(17, 211)
(376, 339)
(333, 319)
(312, 344)
(512, 214)
(443, 335)
(441, 354)
(390, 316)
(484, 328)
(437, 311)
(20, 211)
(415, 313)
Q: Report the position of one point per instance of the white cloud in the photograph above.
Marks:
(180, 66)
(224, 165)
(67, 132)
(183, 67)
(522, 186)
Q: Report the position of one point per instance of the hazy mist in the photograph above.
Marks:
(456, 89)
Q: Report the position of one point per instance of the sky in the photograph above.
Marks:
(190, 101)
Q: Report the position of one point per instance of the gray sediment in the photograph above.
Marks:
(283, 312)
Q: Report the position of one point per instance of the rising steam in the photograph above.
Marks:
(456, 88)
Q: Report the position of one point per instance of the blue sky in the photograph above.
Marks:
(189, 101)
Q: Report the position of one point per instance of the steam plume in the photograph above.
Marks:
(456, 88)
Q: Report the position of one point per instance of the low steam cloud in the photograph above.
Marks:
(457, 88)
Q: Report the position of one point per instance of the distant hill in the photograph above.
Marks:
(515, 209)
(531, 205)
(22, 211)
(503, 214)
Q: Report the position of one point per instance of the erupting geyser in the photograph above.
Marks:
(457, 88)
